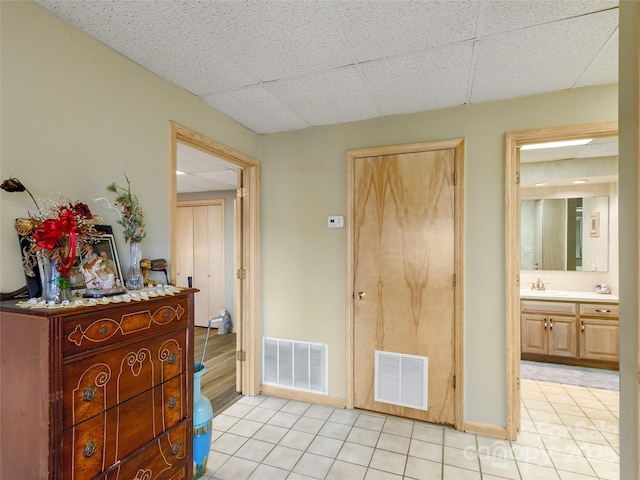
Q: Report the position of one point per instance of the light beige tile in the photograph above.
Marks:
(215, 461)
(560, 399)
(531, 455)
(544, 416)
(343, 470)
(274, 403)
(559, 444)
(588, 435)
(606, 470)
(228, 443)
(612, 438)
(493, 447)
(335, 430)
(347, 417)
(295, 407)
(426, 450)
(536, 394)
(297, 440)
(259, 414)
(393, 443)
(270, 433)
(284, 419)
(328, 447)
(238, 410)
(571, 463)
(283, 457)
(501, 467)
(568, 409)
(589, 403)
(600, 452)
(245, 428)
(354, 453)
(527, 425)
(314, 466)
(266, 471)
(321, 412)
(575, 420)
(467, 459)
(451, 472)
(236, 469)
(363, 436)
(428, 433)
(530, 471)
(252, 399)
(398, 427)
(224, 422)
(373, 474)
(553, 430)
(543, 405)
(564, 475)
(455, 439)
(420, 469)
(606, 426)
(370, 422)
(255, 450)
(529, 439)
(308, 424)
(388, 462)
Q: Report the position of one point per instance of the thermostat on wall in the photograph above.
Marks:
(335, 221)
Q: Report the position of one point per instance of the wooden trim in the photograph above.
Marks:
(200, 203)
(513, 140)
(458, 145)
(249, 243)
(303, 396)
(484, 429)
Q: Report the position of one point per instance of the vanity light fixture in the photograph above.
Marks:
(540, 184)
(580, 181)
(562, 143)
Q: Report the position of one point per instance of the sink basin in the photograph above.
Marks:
(543, 293)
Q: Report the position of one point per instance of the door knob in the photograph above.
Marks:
(361, 295)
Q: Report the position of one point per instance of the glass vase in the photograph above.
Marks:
(56, 287)
(202, 424)
(134, 279)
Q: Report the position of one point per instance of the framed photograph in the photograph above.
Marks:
(594, 224)
(100, 264)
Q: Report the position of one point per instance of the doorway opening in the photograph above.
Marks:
(545, 318)
(244, 221)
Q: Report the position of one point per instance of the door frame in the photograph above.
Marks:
(513, 141)
(248, 243)
(458, 322)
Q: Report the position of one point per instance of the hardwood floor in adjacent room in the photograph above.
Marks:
(218, 383)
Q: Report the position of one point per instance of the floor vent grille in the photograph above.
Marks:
(401, 379)
(295, 364)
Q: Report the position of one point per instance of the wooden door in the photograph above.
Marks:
(200, 255)
(404, 264)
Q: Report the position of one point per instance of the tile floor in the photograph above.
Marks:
(567, 433)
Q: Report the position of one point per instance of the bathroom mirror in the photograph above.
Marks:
(569, 234)
(566, 196)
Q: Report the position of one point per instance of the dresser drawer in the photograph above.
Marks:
(163, 459)
(131, 321)
(608, 310)
(109, 437)
(96, 384)
(539, 306)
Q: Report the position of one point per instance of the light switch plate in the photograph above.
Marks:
(335, 221)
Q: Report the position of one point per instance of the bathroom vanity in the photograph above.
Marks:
(572, 328)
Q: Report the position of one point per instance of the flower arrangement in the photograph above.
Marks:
(131, 215)
(58, 230)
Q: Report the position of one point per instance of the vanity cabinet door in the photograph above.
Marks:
(534, 333)
(599, 339)
(562, 336)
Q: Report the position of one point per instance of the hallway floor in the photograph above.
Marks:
(567, 433)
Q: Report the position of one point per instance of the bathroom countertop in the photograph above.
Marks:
(568, 296)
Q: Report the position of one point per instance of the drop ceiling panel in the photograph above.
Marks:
(272, 40)
(257, 109)
(539, 59)
(326, 97)
(411, 83)
(603, 70)
(374, 29)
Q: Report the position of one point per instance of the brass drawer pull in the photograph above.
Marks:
(172, 358)
(176, 448)
(90, 448)
(166, 315)
(89, 393)
(602, 310)
(173, 401)
(104, 329)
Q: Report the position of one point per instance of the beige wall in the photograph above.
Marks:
(75, 115)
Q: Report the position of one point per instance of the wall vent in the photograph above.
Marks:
(295, 364)
(402, 379)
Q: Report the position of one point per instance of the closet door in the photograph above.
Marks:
(201, 233)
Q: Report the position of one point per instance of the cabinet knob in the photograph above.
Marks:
(173, 401)
(89, 393)
(361, 295)
(90, 448)
(176, 448)
(550, 324)
(582, 327)
(172, 358)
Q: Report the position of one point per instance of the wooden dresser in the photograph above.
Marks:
(101, 392)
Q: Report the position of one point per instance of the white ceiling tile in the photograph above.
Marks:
(379, 29)
(500, 16)
(603, 69)
(336, 96)
(272, 40)
(256, 109)
(434, 79)
(539, 59)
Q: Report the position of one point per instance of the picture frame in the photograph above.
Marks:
(105, 245)
(594, 224)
